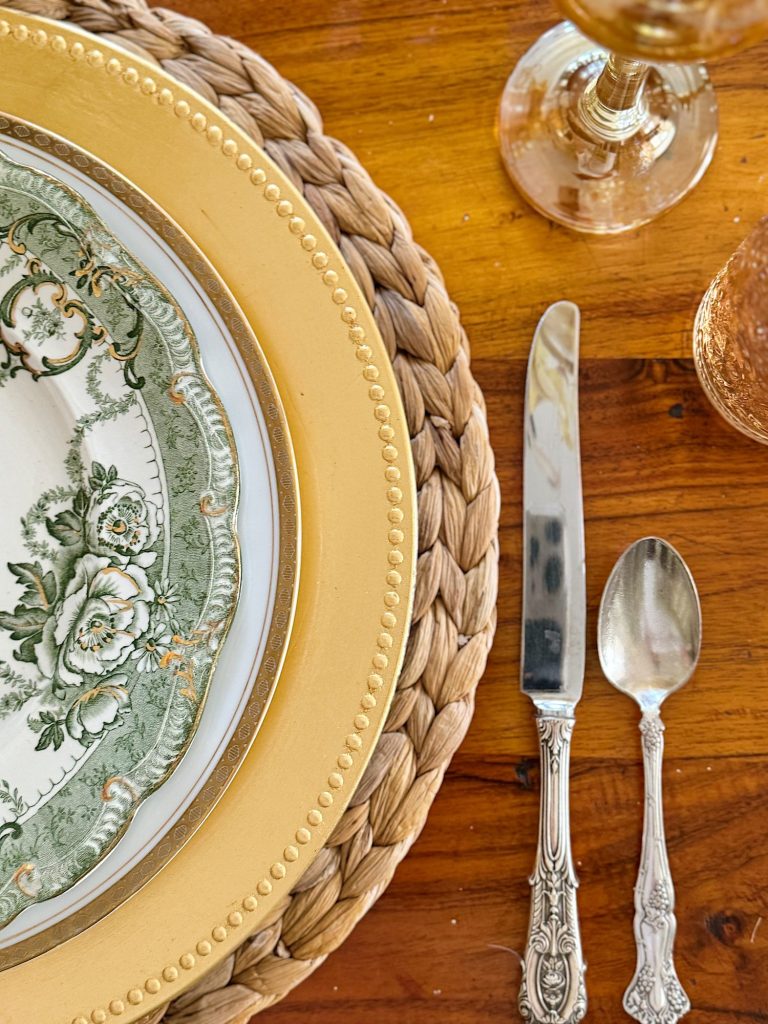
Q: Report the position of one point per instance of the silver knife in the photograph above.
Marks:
(552, 665)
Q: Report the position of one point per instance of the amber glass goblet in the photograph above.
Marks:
(610, 118)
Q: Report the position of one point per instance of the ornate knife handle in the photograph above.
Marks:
(655, 995)
(552, 989)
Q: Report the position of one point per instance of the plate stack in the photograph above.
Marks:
(209, 532)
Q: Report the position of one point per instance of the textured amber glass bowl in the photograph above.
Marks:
(730, 338)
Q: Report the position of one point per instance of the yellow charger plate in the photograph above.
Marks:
(358, 521)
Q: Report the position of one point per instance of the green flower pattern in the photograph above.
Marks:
(44, 323)
(122, 599)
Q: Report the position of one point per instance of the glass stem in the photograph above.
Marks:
(613, 107)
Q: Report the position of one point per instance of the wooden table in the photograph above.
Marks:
(413, 88)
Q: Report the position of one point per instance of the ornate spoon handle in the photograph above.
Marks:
(655, 995)
(552, 990)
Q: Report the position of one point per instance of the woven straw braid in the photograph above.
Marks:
(454, 616)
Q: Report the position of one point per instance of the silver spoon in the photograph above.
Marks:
(648, 638)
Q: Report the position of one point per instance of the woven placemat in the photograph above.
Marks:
(456, 588)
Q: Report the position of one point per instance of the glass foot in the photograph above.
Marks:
(567, 173)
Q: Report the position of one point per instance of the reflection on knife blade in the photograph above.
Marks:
(546, 605)
(554, 598)
(543, 385)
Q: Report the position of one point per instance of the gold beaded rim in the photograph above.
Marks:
(353, 744)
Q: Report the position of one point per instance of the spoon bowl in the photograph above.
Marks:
(649, 627)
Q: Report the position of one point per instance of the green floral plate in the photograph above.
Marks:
(119, 565)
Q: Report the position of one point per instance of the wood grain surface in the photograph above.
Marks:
(413, 88)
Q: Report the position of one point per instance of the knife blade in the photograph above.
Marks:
(552, 658)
